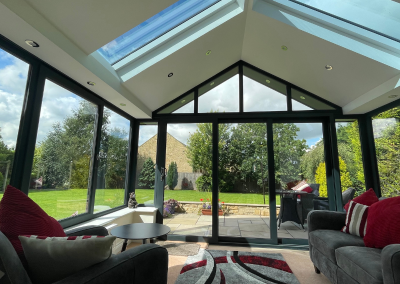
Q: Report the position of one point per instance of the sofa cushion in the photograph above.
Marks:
(356, 219)
(383, 223)
(367, 198)
(20, 215)
(361, 263)
(327, 241)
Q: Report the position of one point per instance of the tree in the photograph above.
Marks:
(147, 174)
(172, 175)
(243, 153)
(64, 156)
(320, 178)
(387, 145)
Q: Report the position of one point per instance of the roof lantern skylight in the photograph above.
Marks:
(153, 28)
(379, 16)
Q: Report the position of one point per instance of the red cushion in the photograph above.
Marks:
(20, 215)
(308, 189)
(367, 198)
(383, 223)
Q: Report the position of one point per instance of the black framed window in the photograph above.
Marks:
(146, 160)
(13, 80)
(386, 131)
(112, 161)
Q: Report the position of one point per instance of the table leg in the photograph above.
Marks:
(124, 245)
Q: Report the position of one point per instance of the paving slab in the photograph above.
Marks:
(254, 228)
(229, 231)
(264, 235)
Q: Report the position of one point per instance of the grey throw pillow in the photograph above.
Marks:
(53, 258)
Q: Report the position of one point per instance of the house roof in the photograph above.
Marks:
(366, 66)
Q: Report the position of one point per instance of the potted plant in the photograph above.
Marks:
(207, 207)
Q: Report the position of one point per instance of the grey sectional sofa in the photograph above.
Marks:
(143, 264)
(343, 258)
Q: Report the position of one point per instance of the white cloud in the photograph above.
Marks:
(146, 132)
(13, 74)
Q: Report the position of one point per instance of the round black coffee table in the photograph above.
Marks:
(139, 231)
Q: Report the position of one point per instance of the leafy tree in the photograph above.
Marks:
(63, 157)
(147, 174)
(320, 178)
(6, 156)
(172, 175)
(243, 153)
(387, 144)
(1, 181)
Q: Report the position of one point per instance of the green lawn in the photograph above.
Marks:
(62, 203)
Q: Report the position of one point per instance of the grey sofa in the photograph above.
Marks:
(143, 264)
(343, 258)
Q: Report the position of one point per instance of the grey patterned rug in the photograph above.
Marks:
(182, 249)
(221, 266)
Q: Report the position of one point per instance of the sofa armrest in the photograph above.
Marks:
(391, 264)
(88, 231)
(143, 264)
(325, 220)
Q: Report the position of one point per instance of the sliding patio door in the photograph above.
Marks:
(299, 154)
(244, 189)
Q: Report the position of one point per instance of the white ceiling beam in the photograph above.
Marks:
(375, 98)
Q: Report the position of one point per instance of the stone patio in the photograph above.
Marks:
(248, 226)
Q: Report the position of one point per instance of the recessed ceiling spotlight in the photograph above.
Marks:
(182, 101)
(170, 74)
(302, 97)
(212, 83)
(31, 43)
(91, 83)
(208, 52)
(268, 81)
(393, 96)
(284, 47)
(122, 104)
(328, 67)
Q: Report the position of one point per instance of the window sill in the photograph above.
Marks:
(109, 218)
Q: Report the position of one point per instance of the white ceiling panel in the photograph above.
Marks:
(90, 24)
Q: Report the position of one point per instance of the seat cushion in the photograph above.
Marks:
(327, 241)
(361, 263)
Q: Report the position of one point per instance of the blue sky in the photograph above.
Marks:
(57, 104)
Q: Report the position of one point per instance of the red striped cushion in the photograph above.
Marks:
(70, 238)
(20, 215)
(356, 219)
(300, 184)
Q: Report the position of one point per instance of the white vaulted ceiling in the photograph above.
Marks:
(70, 31)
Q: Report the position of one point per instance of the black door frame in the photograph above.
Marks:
(332, 172)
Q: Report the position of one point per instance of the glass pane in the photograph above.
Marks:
(64, 153)
(221, 94)
(386, 126)
(185, 105)
(145, 168)
(243, 180)
(13, 78)
(153, 28)
(380, 15)
(110, 191)
(262, 93)
(350, 156)
(302, 101)
(188, 181)
(299, 157)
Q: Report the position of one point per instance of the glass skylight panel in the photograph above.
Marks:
(153, 28)
(380, 16)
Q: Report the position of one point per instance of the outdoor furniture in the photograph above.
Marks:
(288, 210)
(139, 231)
(122, 268)
(322, 203)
